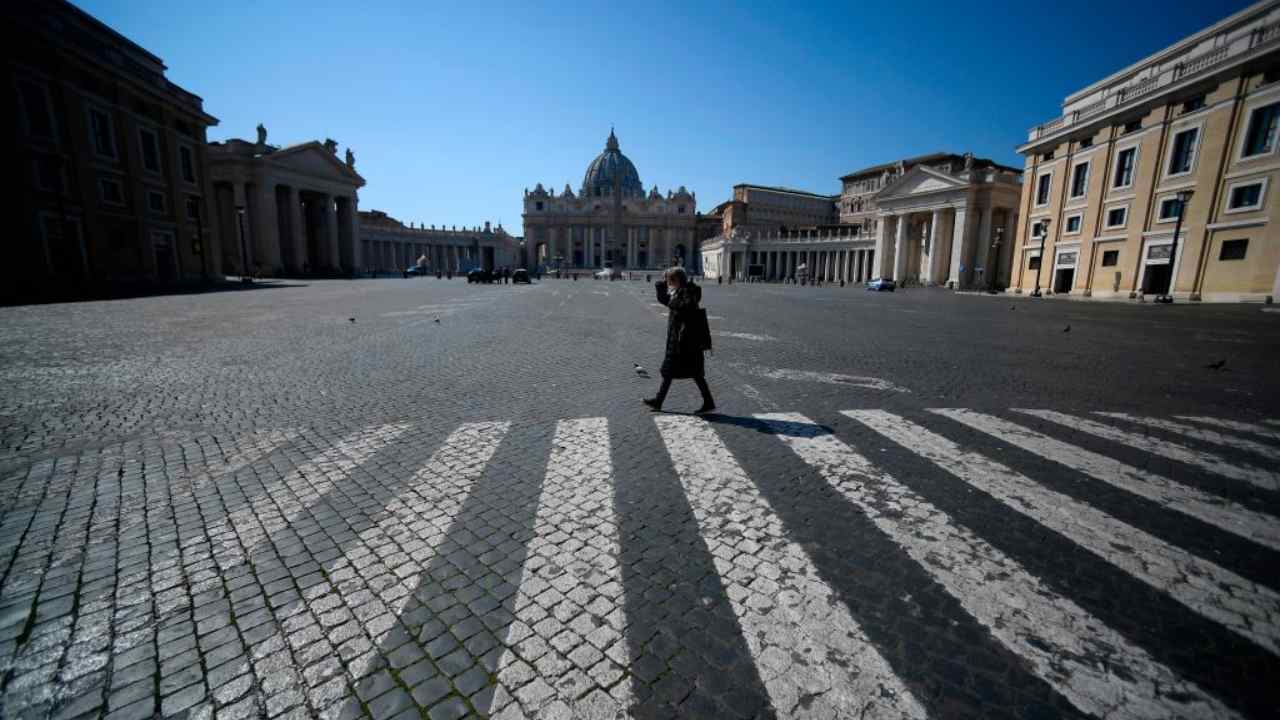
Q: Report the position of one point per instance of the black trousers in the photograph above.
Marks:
(702, 388)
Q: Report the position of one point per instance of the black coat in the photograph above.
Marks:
(683, 358)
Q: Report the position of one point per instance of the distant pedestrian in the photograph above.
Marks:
(687, 337)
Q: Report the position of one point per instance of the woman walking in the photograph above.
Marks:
(683, 357)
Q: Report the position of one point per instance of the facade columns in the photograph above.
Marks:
(882, 240)
(298, 230)
(934, 270)
(329, 236)
(983, 241)
(900, 250)
(957, 246)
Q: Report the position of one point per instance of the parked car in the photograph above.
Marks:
(480, 275)
(880, 284)
(520, 275)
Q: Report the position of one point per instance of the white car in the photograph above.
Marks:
(607, 274)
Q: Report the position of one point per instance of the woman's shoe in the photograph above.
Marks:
(653, 403)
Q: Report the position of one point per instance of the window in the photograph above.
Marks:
(111, 191)
(1117, 216)
(193, 207)
(1193, 104)
(1073, 225)
(537, 205)
(1245, 197)
(1132, 126)
(1079, 180)
(1261, 137)
(187, 160)
(155, 201)
(1042, 189)
(1037, 228)
(1271, 75)
(35, 103)
(1124, 167)
(1046, 157)
(1233, 249)
(49, 174)
(1085, 143)
(100, 133)
(150, 150)
(1170, 209)
(1034, 263)
(1110, 258)
(680, 209)
(1183, 154)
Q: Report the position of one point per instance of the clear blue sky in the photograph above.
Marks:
(453, 109)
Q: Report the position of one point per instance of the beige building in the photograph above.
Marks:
(611, 221)
(1106, 179)
(387, 244)
(110, 163)
(286, 210)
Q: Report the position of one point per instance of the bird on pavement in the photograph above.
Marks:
(1216, 365)
(1066, 329)
(437, 319)
(351, 319)
(640, 371)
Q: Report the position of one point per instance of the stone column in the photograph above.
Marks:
(329, 238)
(957, 245)
(900, 250)
(981, 244)
(352, 228)
(934, 271)
(297, 229)
(882, 242)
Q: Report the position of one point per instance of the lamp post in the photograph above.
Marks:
(1182, 196)
(244, 254)
(995, 253)
(193, 208)
(1044, 233)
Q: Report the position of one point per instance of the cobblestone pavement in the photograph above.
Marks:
(422, 499)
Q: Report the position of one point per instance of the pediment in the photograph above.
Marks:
(920, 181)
(314, 160)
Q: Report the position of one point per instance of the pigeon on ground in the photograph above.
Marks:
(1215, 365)
(640, 371)
(351, 319)
(1066, 329)
(437, 319)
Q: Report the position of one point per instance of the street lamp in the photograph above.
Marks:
(1182, 196)
(244, 254)
(193, 209)
(995, 253)
(1044, 233)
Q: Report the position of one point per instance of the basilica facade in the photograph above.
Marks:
(610, 221)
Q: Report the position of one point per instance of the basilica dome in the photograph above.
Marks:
(611, 166)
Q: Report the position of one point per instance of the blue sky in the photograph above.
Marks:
(453, 109)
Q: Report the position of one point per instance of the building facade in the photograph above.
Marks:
(611, 221)
(832, 253)
(1188, 134)
(111, 162)
(761, 209)
(389, 245)
(286, 211)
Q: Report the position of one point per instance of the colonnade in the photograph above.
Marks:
(272, 228)
(588, 246)
(951, 245)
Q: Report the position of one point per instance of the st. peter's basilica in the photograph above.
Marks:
(611, 221)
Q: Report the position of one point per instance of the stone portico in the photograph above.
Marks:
(298, 206)
(953, 229)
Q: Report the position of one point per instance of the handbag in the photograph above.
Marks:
(699, 329)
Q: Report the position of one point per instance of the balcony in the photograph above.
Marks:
(1246, 40)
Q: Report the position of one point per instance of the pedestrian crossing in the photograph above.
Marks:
(562, 608)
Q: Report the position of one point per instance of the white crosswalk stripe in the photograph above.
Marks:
(1195, 433)
(1266, 479)
(1245, 607)
(572, 574)
(1235, 425)
(1221, 513)
(786, 611)
(1049, 631)
(420, 516)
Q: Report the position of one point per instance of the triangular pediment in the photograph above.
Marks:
(920, 181)
(313, 159)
